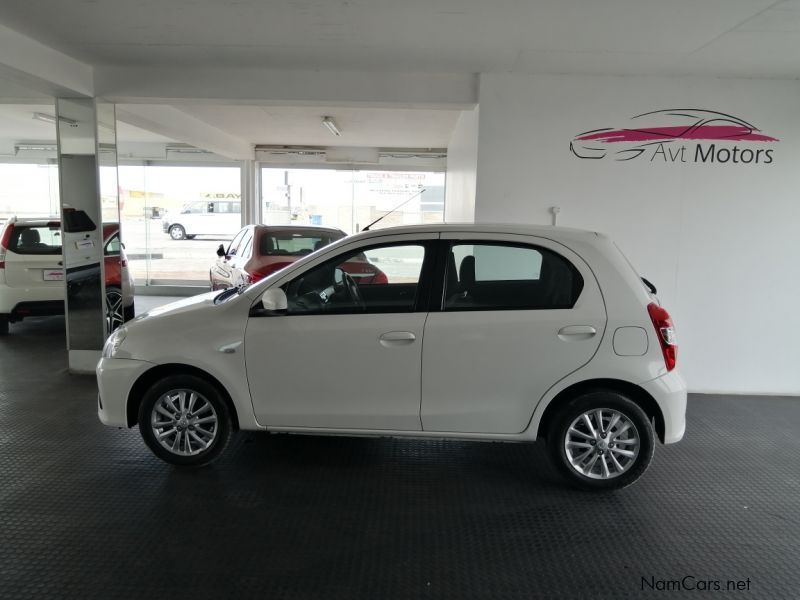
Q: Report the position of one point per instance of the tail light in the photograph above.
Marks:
(380, 278)
(665, 332)
(4, 243)
(257, 276)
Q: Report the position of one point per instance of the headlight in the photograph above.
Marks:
(113, 342)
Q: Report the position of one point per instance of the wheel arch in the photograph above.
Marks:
(632, 391)
(149, 377)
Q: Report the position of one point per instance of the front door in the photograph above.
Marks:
(516, 317)
(348, 353)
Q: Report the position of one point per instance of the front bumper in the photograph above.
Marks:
(669, 392)
(165, 226)
(115, 378)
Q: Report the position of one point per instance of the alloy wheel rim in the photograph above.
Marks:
(184, 422)
(602, 443)
(114, 311)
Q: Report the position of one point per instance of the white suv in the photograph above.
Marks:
(204, 217)
(506, 333)
(32, 272)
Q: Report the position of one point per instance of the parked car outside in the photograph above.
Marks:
(32, 272)
(260, 250)
(204, 217)
(505, 333)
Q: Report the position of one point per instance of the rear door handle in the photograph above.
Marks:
(576, 332)
(397, 338)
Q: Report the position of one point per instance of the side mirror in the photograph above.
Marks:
(274, 301)
(221, 251)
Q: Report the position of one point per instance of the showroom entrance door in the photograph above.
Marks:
(348, 353)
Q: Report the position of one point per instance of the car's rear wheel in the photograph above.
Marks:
(177, 232)
(601, 440)
(3, 324)
(184, 420)
(115, 313)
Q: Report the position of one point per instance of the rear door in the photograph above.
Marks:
(33, 258)
(517, 314)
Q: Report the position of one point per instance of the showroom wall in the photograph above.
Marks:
(715, 225)
(462, 164)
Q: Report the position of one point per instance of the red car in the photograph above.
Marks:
(260, 250)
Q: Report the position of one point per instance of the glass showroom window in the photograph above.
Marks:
(174, 217)
(351, 200)
(28, 190)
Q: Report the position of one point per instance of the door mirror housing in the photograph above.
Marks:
(221, 251)
(274, 301)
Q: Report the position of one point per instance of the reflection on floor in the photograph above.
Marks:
(88, 512)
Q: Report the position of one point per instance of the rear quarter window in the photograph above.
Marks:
(35, 239)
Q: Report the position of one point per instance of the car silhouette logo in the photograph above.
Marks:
(662, 127)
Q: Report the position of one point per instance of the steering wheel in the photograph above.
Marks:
(352, 291)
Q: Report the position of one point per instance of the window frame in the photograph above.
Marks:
(424, 285)
(438, 298)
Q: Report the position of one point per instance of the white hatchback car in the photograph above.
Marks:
(506, 333)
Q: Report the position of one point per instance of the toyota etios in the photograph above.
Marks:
(506, 333)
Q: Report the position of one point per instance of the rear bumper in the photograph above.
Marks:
(115, 378)
(165, 226)
(669, 392)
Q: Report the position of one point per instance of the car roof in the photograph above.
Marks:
(299, 228)
(548, 231)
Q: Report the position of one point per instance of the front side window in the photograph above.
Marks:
(113, 246)
(194, 208)
(497, 276)
(381, 279)
(234, 246)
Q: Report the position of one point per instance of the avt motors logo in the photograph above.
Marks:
(678, 135)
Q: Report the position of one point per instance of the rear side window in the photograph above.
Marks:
(294, 243)
(35, 239)
(496, 276)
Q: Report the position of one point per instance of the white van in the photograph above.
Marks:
(204, 217)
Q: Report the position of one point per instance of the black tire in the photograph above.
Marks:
(206, 391)
(177, 232)
(129, 312)
(115, 316)
(633, 467)
(3, 324)
(191, 237)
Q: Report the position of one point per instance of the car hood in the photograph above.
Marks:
(186, 305)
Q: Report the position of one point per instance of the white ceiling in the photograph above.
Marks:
(286, 125)
(722, 37)
(17, 124)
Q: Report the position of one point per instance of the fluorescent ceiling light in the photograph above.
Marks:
(51, 119)
(331, 125)
(43, 147)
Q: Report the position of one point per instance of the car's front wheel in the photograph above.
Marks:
(177, 232)
(3, 324)
(601, 440)
(184, 420)
(115, 313)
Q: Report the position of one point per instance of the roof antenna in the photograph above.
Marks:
(403, 203)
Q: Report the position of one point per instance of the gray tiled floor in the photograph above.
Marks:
(87, 512)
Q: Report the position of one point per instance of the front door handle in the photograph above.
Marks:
(576, 332)
(397, 338)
